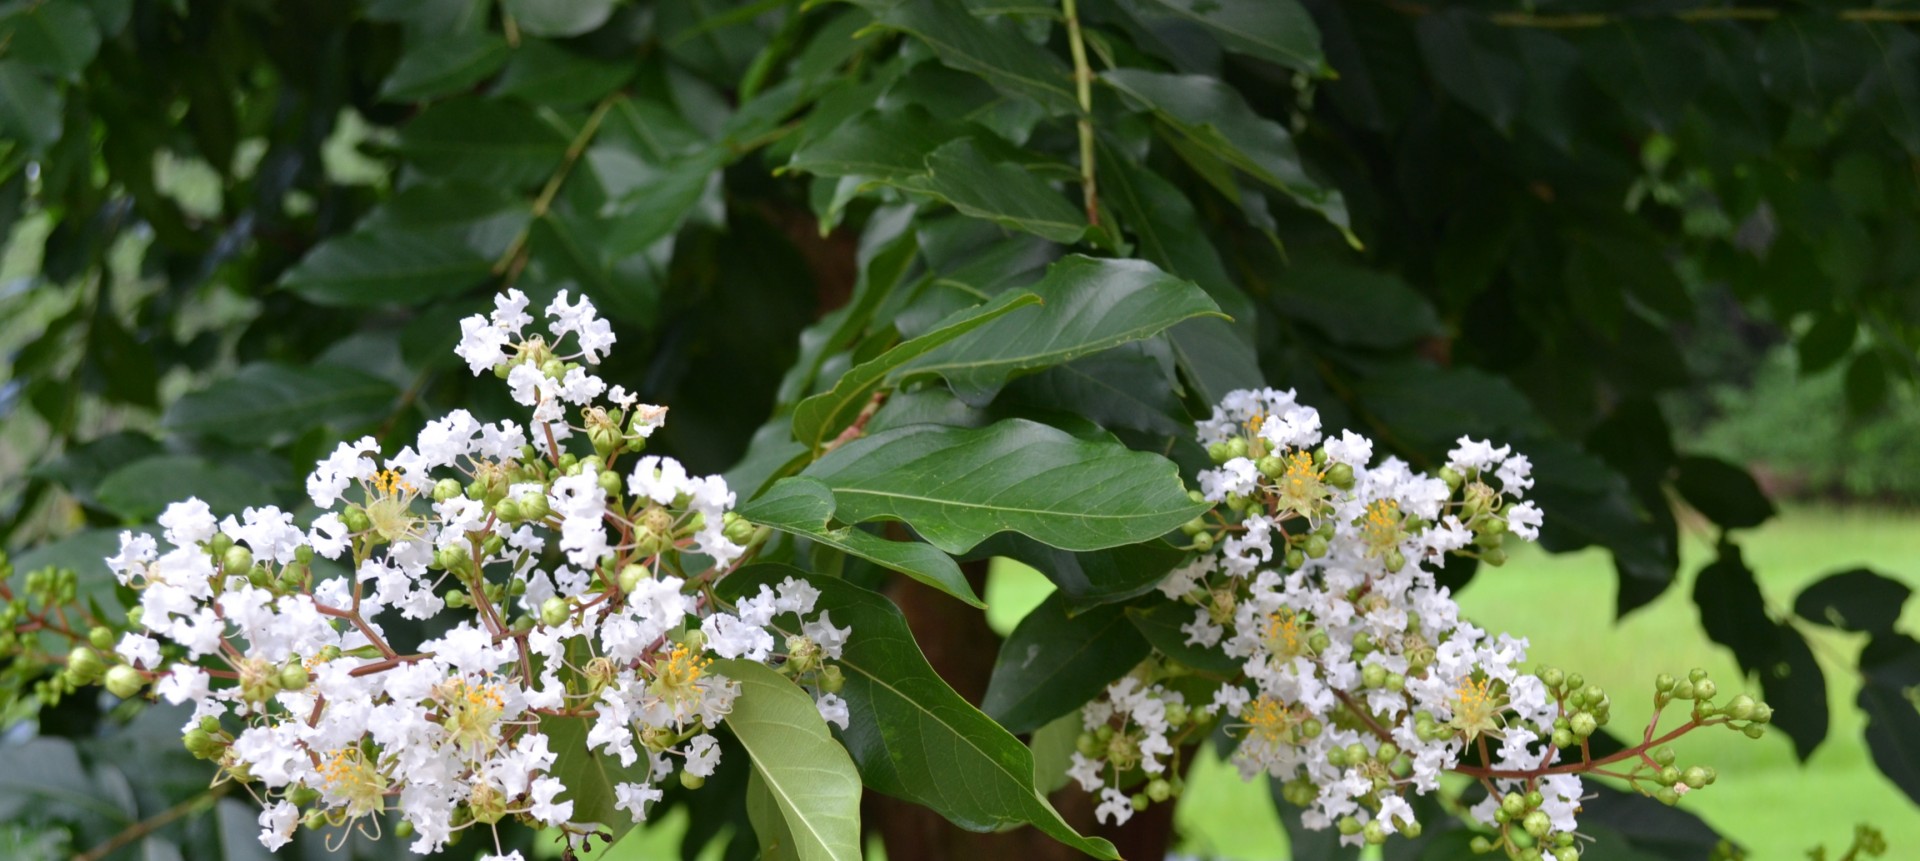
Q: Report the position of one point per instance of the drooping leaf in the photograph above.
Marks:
(558, 17)
(1725, 493)
(267, 403)
(818, 418)
(1890, 667)
(1214, 116)
(444, 66)
(590, 777)
(958, 486)
(1854, 600)
(1734, 614)
(29, 106)
(547, 74)
(809, 775)
(890, 143)
(142, 489)
(387, 267)
(490, 142)
(1280, 31)
(994, 51)
(1054, 662)
(58, 37)
(910, 734)
(1120, 388)
(804, 507)
(1004, 193)
(1087, 305)
(769, 824)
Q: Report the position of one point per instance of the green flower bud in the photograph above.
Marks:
(1219, 453)
(1514, 804)
(1410, 829)
(1563, 738)
(1159, 789)
(1551, 676)
(1704, 690)
(1374, 833)
(1583, 724)
(446, 489)
(1236, 447)
(85, 664)
(1694, 778)
(1373, 675)
(1662, 755)
(508, 511)
(554, 611)
(610, 482)
(692, 781)
(1663, 683)
(1362, 643)
(1452, 477)
(125, 682)
(1271, 466)
(1683, 691)
(237, 559)
(1349, 825)
(1194, 526)
(1315, 546)
(1668, 776)
(1754, 730)
(1203, 542)
(101, 637)
(356, 520)
(1480, 845)
(1762, 713)
(1494, 556)
(1087, 745)
(1294, 558)
(1395, 560)
(1340, 475)
(293, 677)
(1696, 675)
(1668, 796)
(739, 531)
(1740, 708)
(1311, 728)
(1196, 496)
(1388, 750)
(1537, 823)
(450, 558)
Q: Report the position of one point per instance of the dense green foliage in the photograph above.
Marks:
(252, 227)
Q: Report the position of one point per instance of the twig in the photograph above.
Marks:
(1083, 88)
(515, 258)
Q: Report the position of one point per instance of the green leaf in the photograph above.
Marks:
(268, 404)
(813, 782)
(1090, 578)
(1054, 662)
(1734, 614)
(1053, 747)
(1214, 116)
(1120, 388)
(818, 418)
(547, 74)
(1277, 30)
(1725, 493)
(1854, 600)
(996, 51)
(1470, 61)
(590, 777)
(558, 17)
(1827, 341)
(445, 65)
(144, 488)
(889, 143)
(913, 737)
(1890, 665)
(1004, 193)
(1088, 305)
(1355, 306)
(55, 36)
(487, 142)
(387, 267)
(1159, 621)
(958, 486)
(29, 106)
(804, 507)
(769, 824)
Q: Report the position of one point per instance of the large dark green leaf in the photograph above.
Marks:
(482, 141)
(1054, 662)
(1854, 600)
(267, 403)
(994, 51)
(1890, 665)
(142, 489)
(958, 486)
(890, 143)
(817, 419)
(29, 106)
(55, 36)
(1361, 307)
(812, 781)
(1214, 116)
(1159, 620)
(1122, 388)
(1280, 31)
(446, 65)
(387, 267)
(910, 734)
(1004, 193)
(1090, 578)
(558, 17)
(1088, 305)
(544, 73)
(1734, 614)
(1468, 57)
(590, 777)
(804, 507)
(1725, 493)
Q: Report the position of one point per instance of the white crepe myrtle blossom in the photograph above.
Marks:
(1356, 682)
(557, 580)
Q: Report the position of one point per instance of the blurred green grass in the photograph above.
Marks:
(1764, 799)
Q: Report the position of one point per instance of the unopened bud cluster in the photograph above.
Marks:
(568, 584)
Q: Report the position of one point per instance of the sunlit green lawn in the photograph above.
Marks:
(1764, 799)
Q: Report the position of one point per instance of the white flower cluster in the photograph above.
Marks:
(307, 691)
(1360, 682)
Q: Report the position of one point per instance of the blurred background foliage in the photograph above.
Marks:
(1666, 248)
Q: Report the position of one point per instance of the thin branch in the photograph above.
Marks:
(1083, 88)
(515, 259)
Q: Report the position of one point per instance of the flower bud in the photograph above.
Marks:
(1373, 675)
(1340, 475)
(1704, 690)
(293, 677)
(237, 559)
(1663, 755)
(1158, 789)
(1740, 708)
(630, 577)
(1762, 713)
(740, 531)
(1583, 724)
(831, 679)
(1452, 477)
(446, 489)
(85, 665)
(1396, 560)
(1374, 833)
(1203, 542)
(554, 612)
(610, 482)
(356, 520)
(1563, 738)
(124, 681)
(1194, 526)
(691, 781)
(1315, 546)
(1236, 447)
(1694, 778)
(1141, 801)
(1537, 823)
(1668, 776)
(533, 506)
(101, 637)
